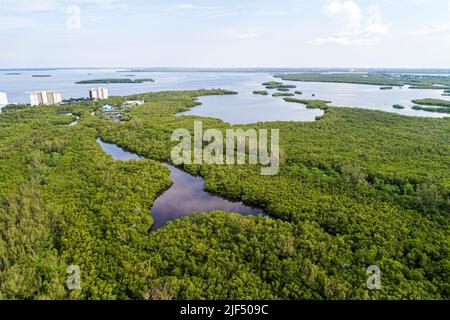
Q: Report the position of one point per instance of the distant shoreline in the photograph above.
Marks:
(444, 71)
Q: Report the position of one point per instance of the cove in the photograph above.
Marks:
(185, 196)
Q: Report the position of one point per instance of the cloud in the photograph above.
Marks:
(359, 27)
(8, 23)
(55, 5)
(442, 29)
(235, 34)
(29, 5)
(247, 35)
(185, 6)
(348, 10)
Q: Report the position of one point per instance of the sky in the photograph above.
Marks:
(224, 34)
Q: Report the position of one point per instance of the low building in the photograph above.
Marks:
(46, 98)
(132, 103)
(107, 108)
(98, 93)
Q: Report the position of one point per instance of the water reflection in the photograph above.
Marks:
(116, 152)
(184, 197)
(187, 195)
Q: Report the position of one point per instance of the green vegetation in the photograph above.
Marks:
(299, 92)
(432, 105)
(281, 94)
(356, 78)
(278, 85)
(14, 107)
(432, 109)
(261, 92)
(283, 89)
(141, 80)
(428, 87)
(273, 84)
(114, 81)
(432, 102)
(355, 189)
(379, 79)
(310, 104)
(398, 106)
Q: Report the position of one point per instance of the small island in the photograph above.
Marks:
(280, 94)
(432, 109)
(299, 92)
(311, 104)
(432, 105)
(41, 76)
(114, 81)
(278, 85)
(13, 74)
(432, 102)
(398, 106)
(261, 92)
(386, 88)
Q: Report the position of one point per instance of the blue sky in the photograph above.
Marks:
(232, 33)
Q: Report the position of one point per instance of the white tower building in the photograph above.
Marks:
(3, 100)
(98, 93)
(46, 98)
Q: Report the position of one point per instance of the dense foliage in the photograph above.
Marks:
(432, 102)
(357, 188)
(386, 80)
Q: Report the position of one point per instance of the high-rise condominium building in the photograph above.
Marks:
(3, 99)
(47, 98)
(98, 93)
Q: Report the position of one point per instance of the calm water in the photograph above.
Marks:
(240, 109)
(184, 197)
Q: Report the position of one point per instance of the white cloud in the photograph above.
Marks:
(247, 35)
(359, 27)
(185, 6)
(54, 5)
(29, 5)
(7, 23)
(433, 30)
(442, 29)
(348, 10)
(235, 34)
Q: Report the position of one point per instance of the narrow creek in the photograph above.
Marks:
(185, 196)
(74, 123)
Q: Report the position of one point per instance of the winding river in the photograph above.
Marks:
(185, 196)
(74, 123)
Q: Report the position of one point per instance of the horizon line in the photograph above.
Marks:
(224, 68)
